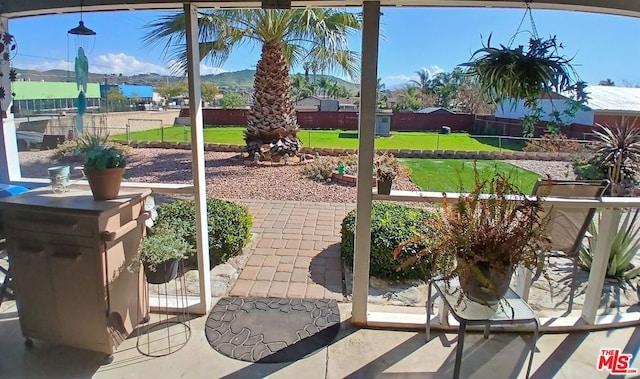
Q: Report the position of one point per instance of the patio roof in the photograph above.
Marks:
(24, 8)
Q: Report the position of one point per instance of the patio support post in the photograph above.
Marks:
(606, 231)
(197, 156)
(366, 128)
(9, 163)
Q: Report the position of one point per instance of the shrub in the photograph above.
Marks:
(158, 247)
(550, 143)
(320, 170)
(391, 224)
(229, 226)
(74, 151)
(589, 168)
(623, 250)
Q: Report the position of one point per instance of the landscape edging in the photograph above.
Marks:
(438, 154)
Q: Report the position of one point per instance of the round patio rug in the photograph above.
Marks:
(270, 330)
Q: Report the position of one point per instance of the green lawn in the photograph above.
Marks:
(446, 174)
(336, 139)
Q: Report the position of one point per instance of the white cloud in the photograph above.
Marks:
(120, 63)
(208, 70)
(393, 81)
(399, 80)
(433, 70)
(48, 65)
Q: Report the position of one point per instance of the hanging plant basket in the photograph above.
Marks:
(518, 73)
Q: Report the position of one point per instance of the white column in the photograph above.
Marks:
(366, 134)
(606, 232)
(197, 155)
(9, 163)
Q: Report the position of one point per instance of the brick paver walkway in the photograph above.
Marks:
(297, 252)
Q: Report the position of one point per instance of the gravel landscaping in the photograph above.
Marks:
(228, 177)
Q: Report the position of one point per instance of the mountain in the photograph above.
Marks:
(243, 78)
(238, 80)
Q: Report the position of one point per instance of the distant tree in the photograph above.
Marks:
(336, 90)
(469, 99)
(381, 95)
(445, 86)
(209, 91)
(606, 82)
(322, 86)
(167, 91)
(409, 99)
(301, 87)
(423, 82)
(114, 94)
(232, 100)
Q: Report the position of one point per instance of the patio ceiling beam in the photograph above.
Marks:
(197, 157)
(26, 8)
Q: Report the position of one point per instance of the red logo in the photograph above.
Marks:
(614, 361)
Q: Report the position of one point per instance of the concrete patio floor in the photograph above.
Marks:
(305, 237)
(356, 353)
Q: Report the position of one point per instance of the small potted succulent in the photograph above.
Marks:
(386, 168)
(104, 167)
(160, 253)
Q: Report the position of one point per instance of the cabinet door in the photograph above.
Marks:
(79, 291)
(33, 286)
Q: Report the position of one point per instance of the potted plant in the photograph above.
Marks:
(160, 253)
(519, 73)
(480, 239)
(506, 73)
(386, 169)
(104, 168)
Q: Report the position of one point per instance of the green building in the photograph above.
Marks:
(33, 97)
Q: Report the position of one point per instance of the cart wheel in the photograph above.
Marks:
(28, 343)
(108, 359)
(145, 319)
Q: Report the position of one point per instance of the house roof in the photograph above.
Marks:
(432, 109)
(609, 98)
(25, 90)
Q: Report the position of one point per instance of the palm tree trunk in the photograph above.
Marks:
(271, 124)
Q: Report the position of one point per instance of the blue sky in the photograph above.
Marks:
(437, 39)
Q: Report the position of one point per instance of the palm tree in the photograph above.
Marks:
(380, 88)
(445, 86)
(287, 37)
(423, 82)
(300, 87)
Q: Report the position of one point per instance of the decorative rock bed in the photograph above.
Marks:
(439, 154)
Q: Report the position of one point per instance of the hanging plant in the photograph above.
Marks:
(519, 73)
(529, 74)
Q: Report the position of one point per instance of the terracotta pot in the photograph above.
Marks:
(384, 187)
(105, 184)
(165, 272)
(484, 284)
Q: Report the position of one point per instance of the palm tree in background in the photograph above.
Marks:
(287, 37)
(301, 88)
(423, 82)
(381, 98)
